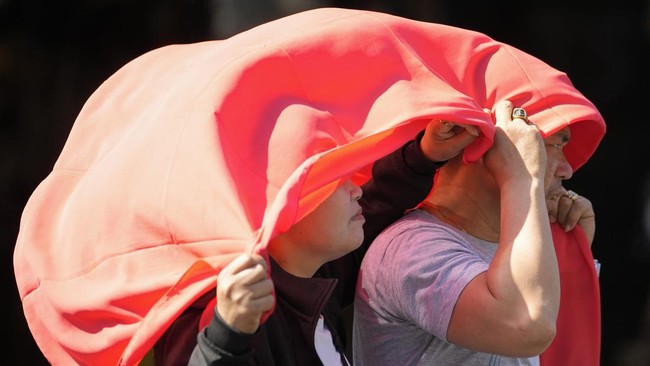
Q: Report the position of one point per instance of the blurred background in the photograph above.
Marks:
(54, 54)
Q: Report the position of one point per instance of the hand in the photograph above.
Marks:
(244, 292)
(570, 212)
(518, 151)
(444, 140)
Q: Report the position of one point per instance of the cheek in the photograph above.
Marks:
(551, 167)
(327, 224)
(344, 231)
(345, 227)
(549, 178)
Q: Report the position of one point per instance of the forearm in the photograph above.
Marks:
(400, 181)
(218, 344)
(524, 275)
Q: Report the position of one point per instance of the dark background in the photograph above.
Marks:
(54, 54)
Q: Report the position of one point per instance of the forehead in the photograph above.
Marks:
(564, 134)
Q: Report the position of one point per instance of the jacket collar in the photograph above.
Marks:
(307, 296)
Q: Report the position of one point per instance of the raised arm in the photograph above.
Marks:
(511, 309)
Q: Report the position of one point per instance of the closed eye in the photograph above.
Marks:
(559, 146)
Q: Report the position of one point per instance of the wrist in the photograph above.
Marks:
(427, 150)
(416, 160)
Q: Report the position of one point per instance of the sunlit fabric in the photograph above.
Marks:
(191, 154)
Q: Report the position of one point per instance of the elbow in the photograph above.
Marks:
(536, 337)
(536, 327)
(543, 337)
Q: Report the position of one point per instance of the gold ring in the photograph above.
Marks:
(571, 194)
(520, 113)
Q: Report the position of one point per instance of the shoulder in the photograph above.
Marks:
(407, 239)
(418, 227)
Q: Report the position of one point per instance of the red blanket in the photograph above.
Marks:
(191, 154)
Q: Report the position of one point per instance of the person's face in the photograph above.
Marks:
(335, 227)
(558, 168)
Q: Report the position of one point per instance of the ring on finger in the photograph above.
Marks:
(571, 194)
(520, 113)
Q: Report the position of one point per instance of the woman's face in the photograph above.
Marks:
(332, 230)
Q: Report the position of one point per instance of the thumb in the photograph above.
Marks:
(466, 137)
(471, 129)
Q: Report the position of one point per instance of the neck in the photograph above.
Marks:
(292, 259)
(476, 220)
(466, 196)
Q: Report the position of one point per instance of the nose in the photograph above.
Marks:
(355, 191)
(564, 170)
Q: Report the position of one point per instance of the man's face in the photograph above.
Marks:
(557, 167)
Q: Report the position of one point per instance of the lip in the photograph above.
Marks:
(556, 193)
(359, 216)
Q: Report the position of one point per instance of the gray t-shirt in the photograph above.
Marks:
(408, 286)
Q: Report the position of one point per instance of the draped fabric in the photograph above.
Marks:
(193, 153)
(577, 341)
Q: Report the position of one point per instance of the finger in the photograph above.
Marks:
(552, 203)
(441, 129)
(247, 276)
(504, 112)
(445, 130)
(240, 262)
(259, 260)
(262, 304)
(460, 140)
(243, 293)
(243, 261)
(563, 209)
(572, 217)
(572, 210)
(261, 289)
(471, 129)
(580, 209)
(520, 113)
(244, 270)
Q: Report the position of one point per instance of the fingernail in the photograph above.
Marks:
(567, 228)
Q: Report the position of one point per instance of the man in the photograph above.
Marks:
(472, 277)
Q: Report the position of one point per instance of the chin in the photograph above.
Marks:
(554, 193)
(346, 247)
(356, 243)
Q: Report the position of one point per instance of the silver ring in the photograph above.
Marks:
(520, 113)
(571, 194)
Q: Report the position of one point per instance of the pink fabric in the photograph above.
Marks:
(577, 341)
(191, 154)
